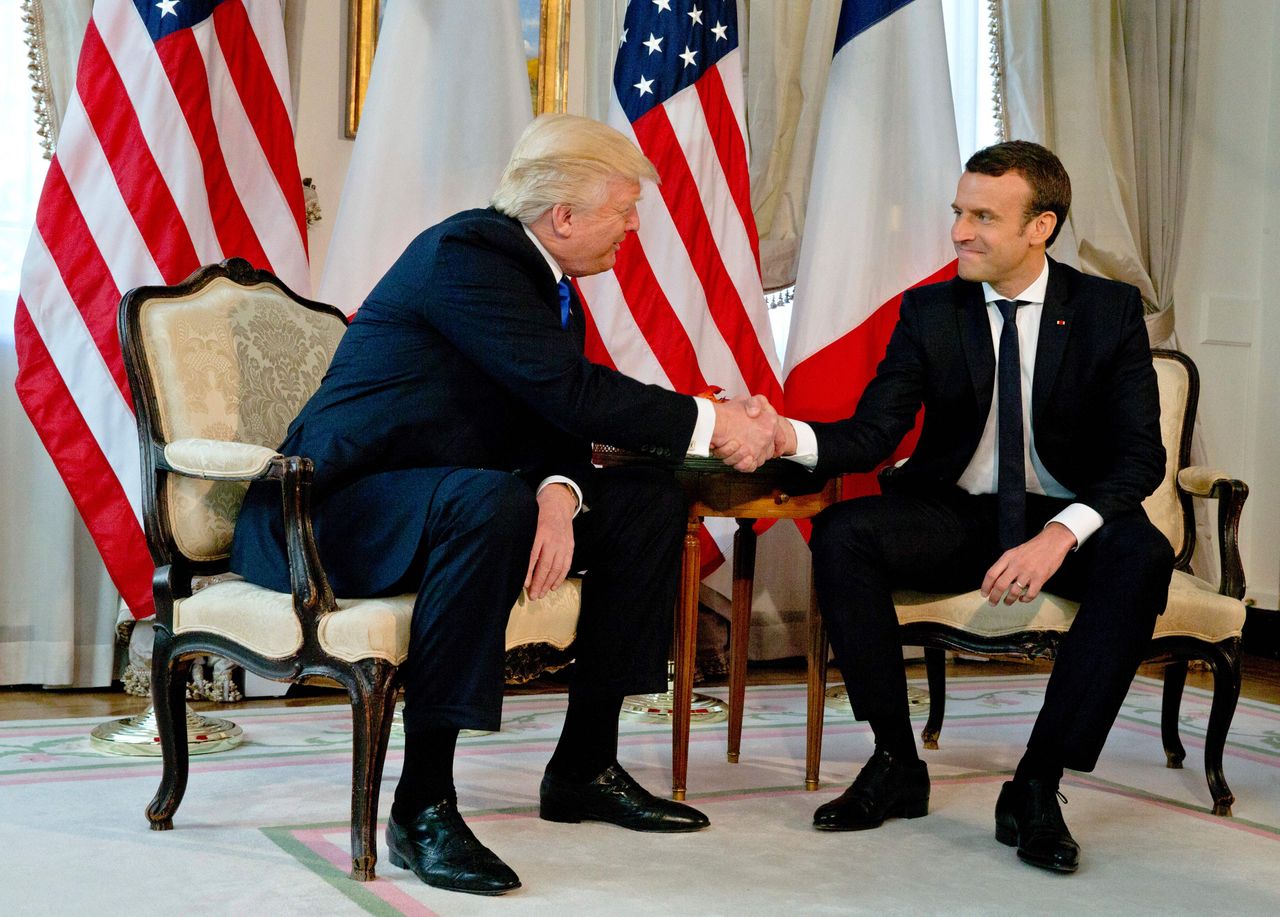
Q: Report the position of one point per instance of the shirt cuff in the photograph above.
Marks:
(1081, 520)
(703, 428)
(561, 479)
(806, 445)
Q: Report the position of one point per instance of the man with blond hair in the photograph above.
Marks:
(451, 440)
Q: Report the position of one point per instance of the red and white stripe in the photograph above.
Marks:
(684, 306)
(171, 155)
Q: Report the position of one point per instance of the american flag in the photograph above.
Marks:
(683, 306)
(176, 151)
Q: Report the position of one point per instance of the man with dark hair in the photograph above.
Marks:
(1040, 440)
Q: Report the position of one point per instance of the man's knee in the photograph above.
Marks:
(656, 497)
(840, 530)
(495, 501)
(1135, 542)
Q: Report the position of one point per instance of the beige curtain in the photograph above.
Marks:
(55, 29)
(788, 55)
(1110, 86)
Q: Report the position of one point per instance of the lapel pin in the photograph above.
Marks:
(1062, 322)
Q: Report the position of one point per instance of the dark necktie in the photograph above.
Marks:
(564, 302)
(1011, 475)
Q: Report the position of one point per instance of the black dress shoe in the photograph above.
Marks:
(1028, 816)
(442, 851)
(615, 797)
(884, 788)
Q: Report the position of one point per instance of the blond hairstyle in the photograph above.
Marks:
(565, 159)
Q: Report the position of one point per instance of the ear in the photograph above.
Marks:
(562, 220)
(1041, 227)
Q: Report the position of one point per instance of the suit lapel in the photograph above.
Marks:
(577, 320)
(975, 337)
(1055, 328)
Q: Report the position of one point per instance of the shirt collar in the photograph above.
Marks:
(1032, 294)
(551, 262)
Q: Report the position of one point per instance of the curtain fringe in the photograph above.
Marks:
(38, 71)
(995, 35)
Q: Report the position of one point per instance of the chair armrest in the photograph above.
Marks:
(218, 460)
(1230, 493)
(223, 460)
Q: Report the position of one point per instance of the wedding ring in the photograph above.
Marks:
(1022, 586)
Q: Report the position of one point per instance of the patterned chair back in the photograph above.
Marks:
(227, 361)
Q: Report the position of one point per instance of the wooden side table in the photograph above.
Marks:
(779, 489)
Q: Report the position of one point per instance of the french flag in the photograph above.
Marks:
(878, 223)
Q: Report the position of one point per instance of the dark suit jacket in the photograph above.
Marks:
(1095, 409)
(456, 359)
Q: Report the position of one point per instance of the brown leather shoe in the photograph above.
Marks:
(884, 788)
(442, 851)
(1028, 816)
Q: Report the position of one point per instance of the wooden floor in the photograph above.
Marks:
(1261, 681)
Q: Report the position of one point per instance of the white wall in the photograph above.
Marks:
(1227, 288)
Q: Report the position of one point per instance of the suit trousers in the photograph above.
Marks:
(473, 559)
(863, 549)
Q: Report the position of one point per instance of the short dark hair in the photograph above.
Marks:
(1043, 171)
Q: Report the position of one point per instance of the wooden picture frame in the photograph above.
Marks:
(547, 78)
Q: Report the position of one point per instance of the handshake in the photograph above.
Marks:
(749, 432)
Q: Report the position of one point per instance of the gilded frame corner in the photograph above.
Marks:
(549, 94)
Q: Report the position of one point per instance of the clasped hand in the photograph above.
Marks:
(749, 432)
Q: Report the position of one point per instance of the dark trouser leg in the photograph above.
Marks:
(1121, 578)
(863, 549)
(628, 542)
(472, 562)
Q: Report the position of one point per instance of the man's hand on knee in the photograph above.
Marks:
(552, 553)
(1021, 572)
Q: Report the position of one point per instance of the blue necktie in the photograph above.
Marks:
(1011, 480)
(564, 302)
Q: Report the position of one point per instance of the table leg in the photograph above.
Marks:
(744, 574)
(686, 638)
(817, 686)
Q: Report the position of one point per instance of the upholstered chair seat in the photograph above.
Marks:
(375, 628)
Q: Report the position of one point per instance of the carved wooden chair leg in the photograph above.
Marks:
(372, 708)
(935, 666)
(1224, 662)
(169, 706)
(1175, 676)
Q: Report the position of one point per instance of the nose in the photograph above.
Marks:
(633, 221)
(961, 229)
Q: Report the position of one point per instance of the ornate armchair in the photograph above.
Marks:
(218, 366)
(1200, 622)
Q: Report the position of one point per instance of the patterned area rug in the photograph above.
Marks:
(263, 827)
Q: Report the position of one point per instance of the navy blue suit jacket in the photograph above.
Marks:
(456, 359)
(1095, 408)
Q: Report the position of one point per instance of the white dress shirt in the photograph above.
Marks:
(980, 476)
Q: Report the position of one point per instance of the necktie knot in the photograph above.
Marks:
(1009, 308)
(563, 290)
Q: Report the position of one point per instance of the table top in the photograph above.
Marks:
(778, 489)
